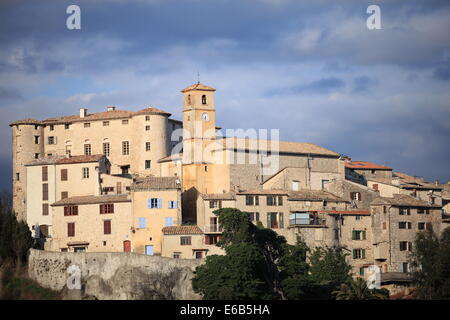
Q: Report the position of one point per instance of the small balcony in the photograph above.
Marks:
(306, 220)
(212, 228)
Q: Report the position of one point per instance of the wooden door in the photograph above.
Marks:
(127, 246)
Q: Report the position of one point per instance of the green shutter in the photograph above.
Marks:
(363, 253)
(353, 235)
(364, 235)
(354, 253)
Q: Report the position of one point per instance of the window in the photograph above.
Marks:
(361, 271)
(36, 155)
(66, 126)
(147, 128)
(87, 149)
(359, 253)
(44, 191)
(324, 182)
(404, 212)
(176, 255)
(45, 209)
(272, 200)
(254, 216)
(358, 235)
(124, 121)
(173, 204)
(252, 200)
(384, 209)
(295, 185)
(87, 124)
(125, 148)
(404, 267)
(44, 173)
(125, 169)
(70, 210)
(107, 208)
(211, 239)
(64, 175)
(420, 211)
(203, 99)
(355, 196)
(51, 140)
(198, 254)
(405, 246)
(421, 226)
(106, 149)
(85, 173)
(147, 146)
(106, 226)
(404, 225)
(154, 203)
(169, 221)
(71, 229)
(215, 204)
(357, 218)
(105, 123)
(148, 164)
(272, 221)
(64, 194)
(142, 223)
(17, 176)
(36, 139)
(185, 241)
(52, 127)
(147, 118)
(206, 168)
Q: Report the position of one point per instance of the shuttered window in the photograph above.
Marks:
(44, 191)
(71, 210)
(107, 208)
(169, 221)
(44, 173)
(107, 226)
(63, 174)
(64, 195)
(185, 241)
(173, 204)
(45, 209)
(154, 203)
(71, 229)
(142, 223)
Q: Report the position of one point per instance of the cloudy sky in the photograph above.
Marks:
(310, 68)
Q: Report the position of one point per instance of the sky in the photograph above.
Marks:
(311, 69)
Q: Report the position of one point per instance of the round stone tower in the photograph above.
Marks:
(151, 140)
(27, 145)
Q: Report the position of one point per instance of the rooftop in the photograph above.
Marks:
(314, 195)
(80, 200)
(219, 196)
(365, 165)
(275, 146)
(155, 183)
(63, 159)
(199, 87)
(181, 230)
(402, 200)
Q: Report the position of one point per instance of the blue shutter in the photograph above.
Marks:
(169, 221)
(159, 203)
(175, 204)
(149, 203)
(149, 250)
(142, 223)
(170, 204)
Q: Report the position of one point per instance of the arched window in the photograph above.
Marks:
(189, 100)
(203, 99)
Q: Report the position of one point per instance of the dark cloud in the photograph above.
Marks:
(363, 84)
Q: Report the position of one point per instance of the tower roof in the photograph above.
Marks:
(199, 87)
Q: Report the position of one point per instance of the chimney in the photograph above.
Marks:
(111, 108)
(83, 112)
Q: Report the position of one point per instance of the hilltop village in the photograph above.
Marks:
(117, 181)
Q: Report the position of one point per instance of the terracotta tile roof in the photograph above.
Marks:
(181, 230)
(151, 110)
(219, 196)
(283, 146)
(409, 182)
(365, 165)
(155, 183)
(106, 115)
(313, 195)
(402, 200)
(63, 159)
(264, 192)
(80, 200)
(80, 159)
(198, 86)
(25, 121)
(347, 212)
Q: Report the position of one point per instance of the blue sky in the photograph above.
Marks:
(311, 69)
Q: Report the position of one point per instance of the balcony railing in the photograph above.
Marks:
(213, 228)
(306, 222)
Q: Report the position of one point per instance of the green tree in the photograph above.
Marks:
(356, 289)
(431, 264)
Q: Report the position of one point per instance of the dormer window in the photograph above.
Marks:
(203, 99)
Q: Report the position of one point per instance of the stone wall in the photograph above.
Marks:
(115, 276)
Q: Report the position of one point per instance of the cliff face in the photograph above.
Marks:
(113, 276)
